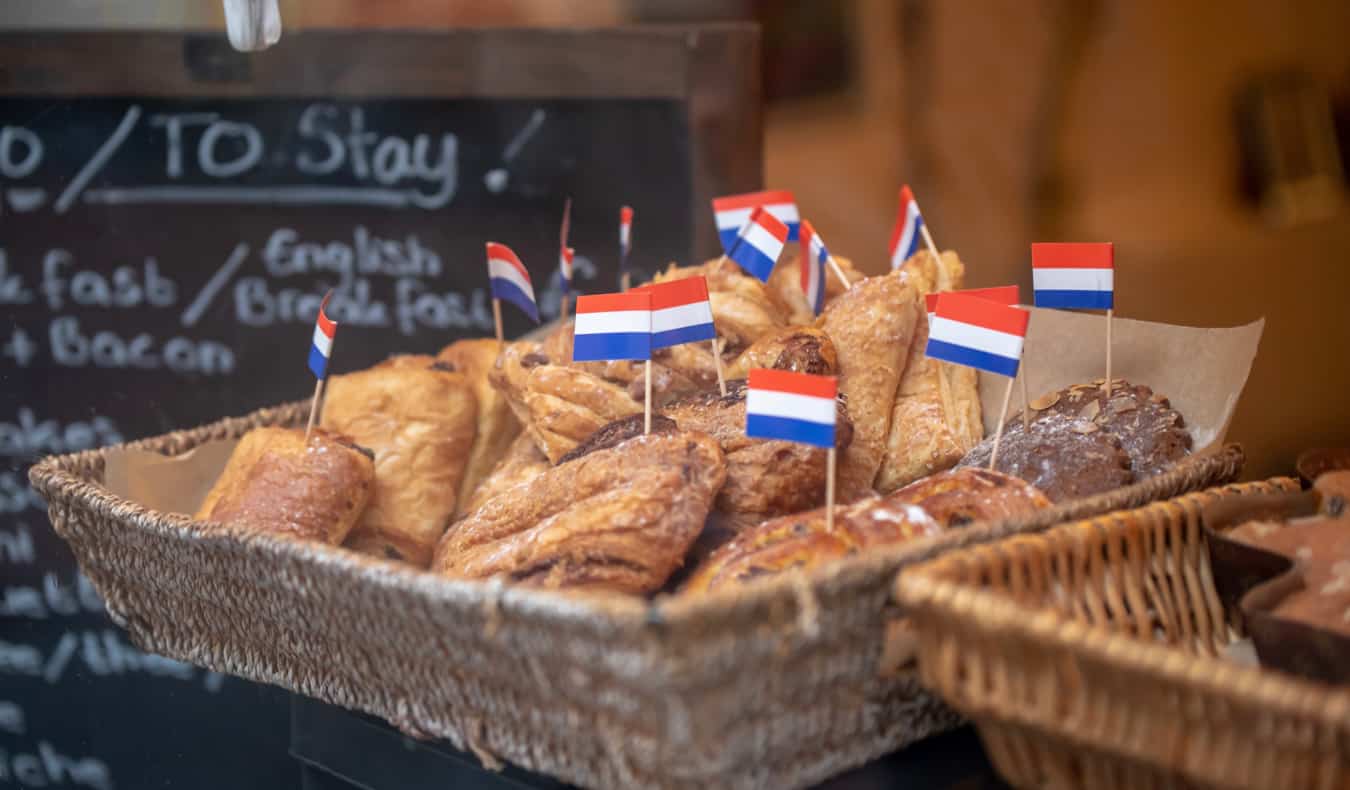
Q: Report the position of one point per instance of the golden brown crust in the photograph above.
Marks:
(963, 496)
(497, 425)
(764, 477)
(276, 482)
(523, 461)
(872, 327)
(936, 416)
(801, 349)
(618, 519)
(801, 542)
(786, 284)
(420, 422)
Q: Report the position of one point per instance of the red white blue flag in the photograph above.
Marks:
(681, 311)
(613, 326)
(510, 280)
(759, 244)
(732, 212)
(908, 232)
(1003, 294)
(977, 333)
(625, 237)
(321, 348)
(812, 262)
(565, 268)
(795, 407)
(1074, 276)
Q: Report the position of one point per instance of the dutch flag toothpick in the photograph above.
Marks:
(732, 212)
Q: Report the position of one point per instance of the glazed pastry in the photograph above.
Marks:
(275, 481)
(496, 427)
(523, 461)
(872, 326)
(419, 418)
(800, 542)
(764, 477)
(936, 417)
(618, 519)
(959, 497)
(786, 284)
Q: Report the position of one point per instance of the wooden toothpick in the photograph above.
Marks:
(717, 361)
(647, 402)
(831, 457)
(1026, 397)
(497, 318)
(314, 408)
(838, 272)
(1109, 311)
(928, 240)
(1002, 415)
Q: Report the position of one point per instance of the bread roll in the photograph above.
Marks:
(276, 482)
(497, 426)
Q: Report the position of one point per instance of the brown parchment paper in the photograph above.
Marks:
(1202, 371)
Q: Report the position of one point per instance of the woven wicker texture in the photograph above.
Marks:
(1088, 656)
(776, 685)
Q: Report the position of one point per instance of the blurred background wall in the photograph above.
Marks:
(1208, 140)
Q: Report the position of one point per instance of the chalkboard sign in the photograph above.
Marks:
(173, 211)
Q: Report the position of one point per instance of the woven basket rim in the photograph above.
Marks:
(930, 585)
(52, 476)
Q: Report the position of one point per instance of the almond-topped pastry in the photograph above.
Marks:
(617, 519)
(275, 481)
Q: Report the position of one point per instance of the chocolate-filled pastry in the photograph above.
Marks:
(617, 519)
(523, 461)
(275, 481)
(800, 542)
(765, 477)
(419, 419)
(497, 425)
(872, 326)
(801, 349)
(963, 496)
(619, 431)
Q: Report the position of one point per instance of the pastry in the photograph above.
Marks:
(801, 349)
(959, 497)
(786, 284)
(744, 309)
(764, 477)
(872, 327)
(496, 427)
(523, 461)
(801, 542)
(935, 419)
(617, 519)
(1151, 432)
(277, 482)
(419, 418)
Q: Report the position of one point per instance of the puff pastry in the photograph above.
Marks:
(872, 327)
(497, 426)
(786, 283)
(936, 418)
(418, 417)
(617, 519)
(276, 482)
(523, 461)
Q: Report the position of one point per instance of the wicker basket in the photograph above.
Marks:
(1089, 656)
(776, 685)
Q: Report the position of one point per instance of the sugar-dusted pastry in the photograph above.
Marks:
(618, 519)
(1150, 431)
(523, 461)
(275, 481)
(872, 326)
(963, 496)
(800, 542)
(497, 425)
(936, 418)
(786, 283)
(419, 418)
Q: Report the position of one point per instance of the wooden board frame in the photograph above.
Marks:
(713, 69)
